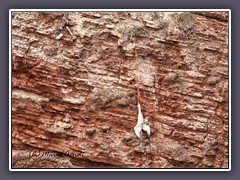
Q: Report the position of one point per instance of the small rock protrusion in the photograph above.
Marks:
(131, 93)
(33, 140)
(211, 152)
(171, 77)
(127, 140)
(59, 36)
(50, 50)
(90, 132)
(66, 118)
(106, 129)
(212, 80)
(186, 22)
(207, 162)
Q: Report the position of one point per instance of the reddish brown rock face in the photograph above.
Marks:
(74, 90)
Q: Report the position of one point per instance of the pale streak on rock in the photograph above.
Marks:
(20, 94)
(74, 100)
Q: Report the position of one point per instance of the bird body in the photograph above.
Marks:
(140, 116)
(142, 124)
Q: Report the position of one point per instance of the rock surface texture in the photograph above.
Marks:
(74, 90)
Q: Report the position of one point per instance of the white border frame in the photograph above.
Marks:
(120, 10)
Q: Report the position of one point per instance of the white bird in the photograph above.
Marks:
(146, 127)
(138, 127)
(142, 125)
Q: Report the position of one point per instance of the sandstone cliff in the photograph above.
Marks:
(74, 90)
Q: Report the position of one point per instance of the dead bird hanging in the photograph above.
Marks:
(142, 123)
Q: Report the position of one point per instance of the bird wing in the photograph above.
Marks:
(147, 129)
(138, 131)
(140, 116)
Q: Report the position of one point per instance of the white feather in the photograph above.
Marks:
(147, 129)
(140, 116)
(138, 131)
